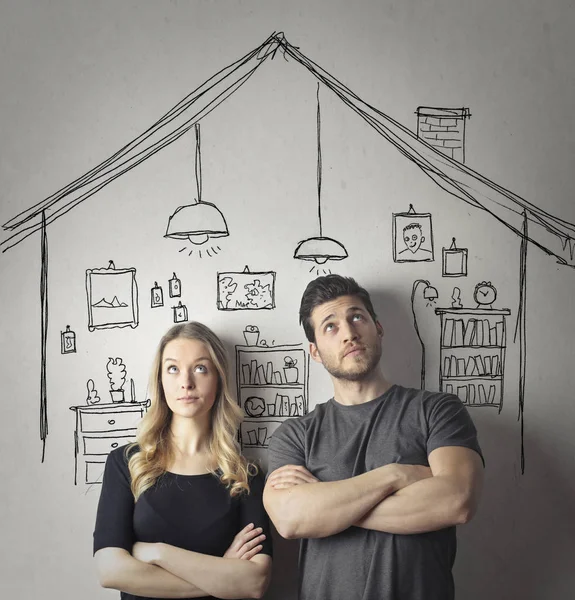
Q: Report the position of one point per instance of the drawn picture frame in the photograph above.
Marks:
(112, 296)
(246, 290)
(412, 237)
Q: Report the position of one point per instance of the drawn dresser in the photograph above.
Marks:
(99, 429)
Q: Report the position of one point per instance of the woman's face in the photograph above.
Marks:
(189, 378)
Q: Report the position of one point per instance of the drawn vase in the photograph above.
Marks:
(117, 396)
(291, 374)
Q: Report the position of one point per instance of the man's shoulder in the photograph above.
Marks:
(298, 426)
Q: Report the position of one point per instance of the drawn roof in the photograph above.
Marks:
(550, 234)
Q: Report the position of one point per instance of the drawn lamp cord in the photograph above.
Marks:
(200, 221)
(320, 249)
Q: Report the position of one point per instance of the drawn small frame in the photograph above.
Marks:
(454, 261)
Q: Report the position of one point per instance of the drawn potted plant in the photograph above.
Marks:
(117, 376)
(291, 372)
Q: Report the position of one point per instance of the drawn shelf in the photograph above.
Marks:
(472, 362)
(272, 384)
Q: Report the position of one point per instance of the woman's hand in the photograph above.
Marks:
(146, 552)
(247, 543)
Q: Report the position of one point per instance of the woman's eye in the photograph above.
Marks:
(172, 369)
(201, 369)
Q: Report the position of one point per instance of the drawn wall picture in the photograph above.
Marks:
(246, 290)
(175, 287)
(112, 297)
(157, 296)
(67, 341)
(444, 129)
(412, 237)
(454, 261)
(272, 385)
(180, 313)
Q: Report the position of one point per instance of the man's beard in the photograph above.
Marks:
(359, 371)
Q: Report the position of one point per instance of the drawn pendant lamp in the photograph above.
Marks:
(200, 221)
(320, 249)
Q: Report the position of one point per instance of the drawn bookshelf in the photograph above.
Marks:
(472, 362)
(272, 384)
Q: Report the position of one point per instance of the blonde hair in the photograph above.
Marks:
(154, 449)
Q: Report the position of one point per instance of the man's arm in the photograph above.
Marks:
(300, 506)
(448, 498)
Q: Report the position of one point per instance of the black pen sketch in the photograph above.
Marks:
(157, 296)
(456, 298)
(180, 313)
(67, 341)
(175, 287)
(246, 290)
(429, 297)
(472, 354)
(530, 223)
(454, 261)
(92, 397)
(116, 371)
(272, 385)
(412, 237)
(319, 249)
(200, 221)
(100, 428)
(112, 297)
(444, 129)
(485, 294)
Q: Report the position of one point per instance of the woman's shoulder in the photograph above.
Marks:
(122, 455)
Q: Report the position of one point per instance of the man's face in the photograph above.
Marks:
(413, 238)
(347, 340)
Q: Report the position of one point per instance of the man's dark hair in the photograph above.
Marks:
(327, 288)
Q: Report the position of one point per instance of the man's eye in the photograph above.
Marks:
(358, 317)
(329, 327)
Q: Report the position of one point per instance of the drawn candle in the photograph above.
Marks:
(180, 313)
(157, 295)
(175, 287)
(68, 341)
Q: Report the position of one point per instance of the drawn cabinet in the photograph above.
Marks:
(100, 428)
(272, 384)
(472, 359)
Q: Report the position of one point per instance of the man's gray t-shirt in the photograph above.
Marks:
(337, 442)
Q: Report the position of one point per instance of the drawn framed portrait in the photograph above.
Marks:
(412, 237)
(112, 296)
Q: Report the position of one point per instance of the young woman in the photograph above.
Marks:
(180, 512)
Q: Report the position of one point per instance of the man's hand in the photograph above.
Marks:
(290, 475)
(247, 543)
(146, 552)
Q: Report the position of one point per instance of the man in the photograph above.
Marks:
(374, 480)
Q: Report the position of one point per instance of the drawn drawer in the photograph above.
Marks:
(94, 472)
(109, 421)
(104, 445)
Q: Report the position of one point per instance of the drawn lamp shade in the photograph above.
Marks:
(320, 250)
(198, 221)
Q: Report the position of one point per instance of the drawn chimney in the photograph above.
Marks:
(444, 129)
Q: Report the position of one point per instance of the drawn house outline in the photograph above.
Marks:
(551, 234)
